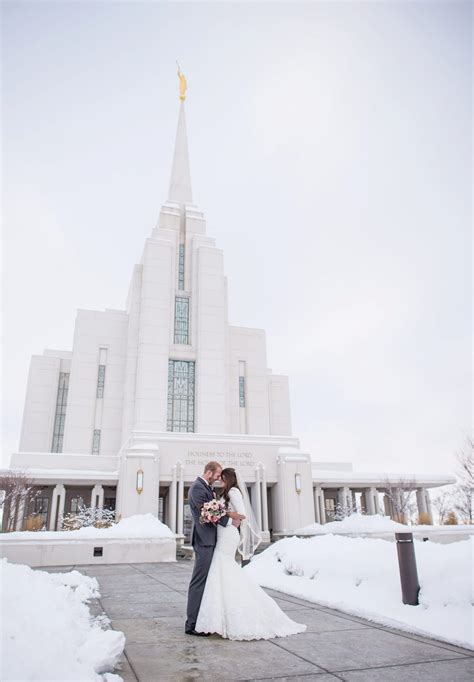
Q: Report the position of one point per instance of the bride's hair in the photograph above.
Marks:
(229, 479)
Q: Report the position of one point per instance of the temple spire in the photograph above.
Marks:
(180, 183)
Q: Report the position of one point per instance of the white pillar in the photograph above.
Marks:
(388, 507)
(421, 501)
(369, 501)
(97, 492)
(353, 500)
(376, 500)
(180, 526)
(101, 496)
(398, 514)
(428, 505)
(264, 499)
(93, 497)
(322, 506)
(345, 496)
(316, 504)
(61, 505)
(258, 498)
(57, 506)
(20, 512)
(172, 501)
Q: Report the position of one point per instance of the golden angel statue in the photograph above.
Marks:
(183, 86)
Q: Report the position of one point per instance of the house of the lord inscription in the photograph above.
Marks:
(227, 459)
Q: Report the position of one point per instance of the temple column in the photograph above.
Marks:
(376, 500)
(369, 501)
(421, 502)
(317, 515)
(57, 506)
(20, 512)
(97, 492)
(264, 499)
(258, 498)
(344, 496)
(353, 499)
(322, 506)
(180, 526)
(172, 501)
(387, 505)
(428, 505)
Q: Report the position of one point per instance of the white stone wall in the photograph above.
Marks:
(249, 345)
(154, 332)
(40, 403)
(210, 338)
(95, 330)
(279, 398)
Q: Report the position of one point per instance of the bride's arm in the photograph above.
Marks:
(237, 500)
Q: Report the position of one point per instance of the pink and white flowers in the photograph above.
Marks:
(212, 511)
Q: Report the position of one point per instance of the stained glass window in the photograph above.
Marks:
(242, 391)
(181, 320)
(60, 416)
(96, 442)
(181, 396)
(181, 268)
(101, 381)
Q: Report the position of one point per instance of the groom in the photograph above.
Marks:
(204, 538)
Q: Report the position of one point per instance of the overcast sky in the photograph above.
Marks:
(330, 149)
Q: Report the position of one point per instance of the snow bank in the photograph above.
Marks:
(139, 526)
(357, 523)
(47, 630)
(360, 576)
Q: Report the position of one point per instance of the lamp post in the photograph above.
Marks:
(407, 566)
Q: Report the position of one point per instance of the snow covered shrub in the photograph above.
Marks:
(342, 511)
(89, 516)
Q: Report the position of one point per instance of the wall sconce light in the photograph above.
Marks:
(139, 485)
(298, 483)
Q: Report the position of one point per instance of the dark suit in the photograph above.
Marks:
(203, 540)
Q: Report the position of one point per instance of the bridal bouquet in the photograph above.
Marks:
(212, 511)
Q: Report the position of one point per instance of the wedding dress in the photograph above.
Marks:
(233, 605)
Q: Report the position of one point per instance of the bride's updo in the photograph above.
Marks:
(229, 478)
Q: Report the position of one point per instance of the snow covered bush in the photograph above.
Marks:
(89, 516)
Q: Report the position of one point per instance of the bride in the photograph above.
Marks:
(233, 605)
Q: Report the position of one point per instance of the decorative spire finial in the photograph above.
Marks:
(183, 86)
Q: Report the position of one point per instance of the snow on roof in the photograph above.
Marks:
(328, 478)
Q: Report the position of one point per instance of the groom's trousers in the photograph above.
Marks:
(198, 583)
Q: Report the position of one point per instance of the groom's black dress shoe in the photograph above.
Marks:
(199, 634)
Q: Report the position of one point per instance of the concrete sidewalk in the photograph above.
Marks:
(148, 602)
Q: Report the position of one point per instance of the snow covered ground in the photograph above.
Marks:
(47, 630)
(139, 526)
(384, 528)
(360, 576)
(356, 523)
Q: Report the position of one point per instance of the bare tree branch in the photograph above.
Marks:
(17, 489)
(464, 489)
(400, 494)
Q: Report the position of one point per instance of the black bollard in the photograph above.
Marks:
(407, 565)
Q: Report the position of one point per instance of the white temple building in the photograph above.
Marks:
(149, 394)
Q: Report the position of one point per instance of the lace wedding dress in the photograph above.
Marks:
(233, 605)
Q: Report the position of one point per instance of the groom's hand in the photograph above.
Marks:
(235, 516)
